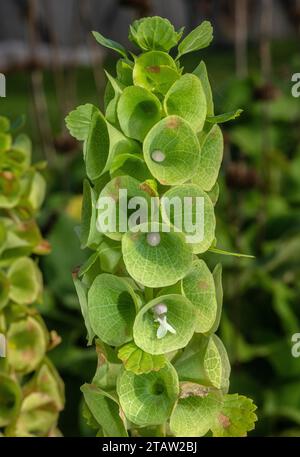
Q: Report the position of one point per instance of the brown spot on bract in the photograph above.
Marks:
(202, 285)
(153, 69)
(191, 389)
(173, 122)
(146, 188)
(224, 421)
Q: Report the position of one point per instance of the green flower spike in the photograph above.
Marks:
(152, 303)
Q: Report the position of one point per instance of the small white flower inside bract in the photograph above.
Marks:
(160, 309)
(158, 156)
(153, 239)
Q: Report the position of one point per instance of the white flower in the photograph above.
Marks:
(160, 315)
(164, 327)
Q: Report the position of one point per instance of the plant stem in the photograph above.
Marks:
(148, 294)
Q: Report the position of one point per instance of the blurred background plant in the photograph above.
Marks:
(52, 64)
(31, 391)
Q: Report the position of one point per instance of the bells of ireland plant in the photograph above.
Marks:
(31, 391)
(151, 304)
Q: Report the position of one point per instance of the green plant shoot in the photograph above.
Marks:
(149, 301)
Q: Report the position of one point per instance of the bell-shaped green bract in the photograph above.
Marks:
(112, 308)
(130, 165)
(155, 71)
(89, 235)
(212, 147)
(31, 392)
(216, 364)
(199, 287)
(25, 281)
(26, 344)
(195, 412)
(10, 399)
(138, 111)
(205, 361)
(186, 99)
(180, 315)
(139, 361)
(236, 418)
(105, 410)
(152, 162)
(10, 190)
(196, 218)
(154, 33)
(172, 151)
(148, 399)
(158, 258)
(104, 142)
(123, 203)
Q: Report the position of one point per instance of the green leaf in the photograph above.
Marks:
(233, 254)
(82, 297)
(155, 71)
(138, 361)
(10, 400)
(217, 275)
(138, 111)
(110, 44)
(196, 218)
(201, 72)
(224, 117)
(198, 39)
(105, 410)
(25, 280)
(148, 399)
(154, 33)
(180, 315)
(78, 121)
(186, 99)
(172, 151)
(199, 287)
(112, 307)
(196, 411)
(89, 235)
(26, 344)
(212, 148)
(156, 264)
(236, 417)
